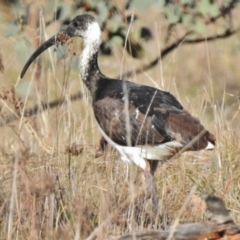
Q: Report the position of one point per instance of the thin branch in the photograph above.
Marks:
(164, 52)
(44, 106)
(227, 9)
(226, 34)
(181, 41)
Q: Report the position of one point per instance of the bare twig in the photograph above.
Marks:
(38, 109)
(173, 46)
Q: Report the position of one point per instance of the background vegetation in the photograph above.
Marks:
(55, 183)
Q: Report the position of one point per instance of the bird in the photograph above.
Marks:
(144, 124)
(216, 210)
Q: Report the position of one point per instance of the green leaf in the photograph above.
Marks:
(65, 10)
(102, 11)
(61, 51)
(74, 62)
(117, 40)
(172, 14)
(18, 10)
(114, 23)
(214, 10)
(142, 5)
(12, 29)
(92, 3)
(207, 8)
(199, 26)
(23, 49)
(187, 19)
(25, 88)
(50, 7)
(188, 2)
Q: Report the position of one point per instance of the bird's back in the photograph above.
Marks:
(155, 116)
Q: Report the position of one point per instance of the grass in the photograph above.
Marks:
(51, 190)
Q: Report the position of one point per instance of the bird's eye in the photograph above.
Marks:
(75, 24)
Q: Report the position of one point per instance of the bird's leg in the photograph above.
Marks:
(103, 144)
(152, 166)
(150, 184)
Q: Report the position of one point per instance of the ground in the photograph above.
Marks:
(48, 188)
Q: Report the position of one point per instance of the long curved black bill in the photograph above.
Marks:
(57, 39)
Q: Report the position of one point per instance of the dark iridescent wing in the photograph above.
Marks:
(155, 116)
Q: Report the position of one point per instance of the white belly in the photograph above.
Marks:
(139, 154)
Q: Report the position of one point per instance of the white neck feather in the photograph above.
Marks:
(92, 41)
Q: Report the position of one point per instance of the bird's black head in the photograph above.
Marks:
(80, 25)
(84, 26)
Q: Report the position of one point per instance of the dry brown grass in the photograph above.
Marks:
(49, 192)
